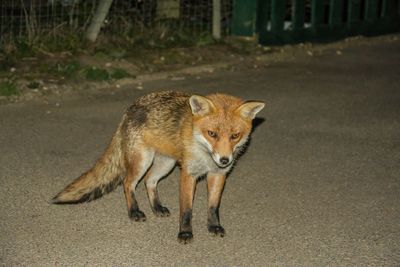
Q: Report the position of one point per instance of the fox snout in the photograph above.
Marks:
(222, 161)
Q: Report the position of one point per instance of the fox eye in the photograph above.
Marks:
(212, 134)
(235, 136)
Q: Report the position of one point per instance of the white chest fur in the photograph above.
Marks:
(202, 163)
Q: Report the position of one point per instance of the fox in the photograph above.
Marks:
(203, 135)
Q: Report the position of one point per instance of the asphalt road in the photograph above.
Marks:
(318, 186)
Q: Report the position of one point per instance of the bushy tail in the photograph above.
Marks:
(102, 178)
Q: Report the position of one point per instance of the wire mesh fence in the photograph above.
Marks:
(32, 19)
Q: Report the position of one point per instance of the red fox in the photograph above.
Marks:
(203, 135)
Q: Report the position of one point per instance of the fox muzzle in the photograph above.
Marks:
(223, 161)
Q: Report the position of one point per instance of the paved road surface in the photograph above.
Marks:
(318, 186)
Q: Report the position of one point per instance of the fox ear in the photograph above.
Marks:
(200, 105)
(249, 109)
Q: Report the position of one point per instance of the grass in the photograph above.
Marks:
(65, 55)
(7, 64)
(73, 69)
(118, 73)
(8, 88)
(67, 69)
(99, 74)
(162, 35)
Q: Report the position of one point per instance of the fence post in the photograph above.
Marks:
(263, 20)
(353, 15)
(317, 18)
(216, 24)
(271, 21)
(398, 8)
(298, 14)
(317, 13)
(335, 13)
(371, 10)
(98, 19)
(244, 17)
(388, 8)
(277, 15)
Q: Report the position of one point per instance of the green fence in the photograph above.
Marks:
(292, 21)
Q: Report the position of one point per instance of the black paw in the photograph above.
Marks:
(216, 230)
(161, 211)
(185, 237)
(137, 215)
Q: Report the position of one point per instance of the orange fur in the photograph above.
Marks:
(202, 134)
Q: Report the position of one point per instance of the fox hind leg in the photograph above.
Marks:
(161, 166)
(138, 164)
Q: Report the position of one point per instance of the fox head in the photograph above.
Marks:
(222, 124)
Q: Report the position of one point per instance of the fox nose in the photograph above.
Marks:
(224, 160)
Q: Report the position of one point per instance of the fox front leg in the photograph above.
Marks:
(215, 186)
(186, 193)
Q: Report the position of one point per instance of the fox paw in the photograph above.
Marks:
(137, 215)
(185, 237)
(161, 211)
(216, 230)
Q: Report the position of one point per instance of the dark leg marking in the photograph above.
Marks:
(134, 212)
(137, 215)
(159, 210)
(185, 234)
(214, 226)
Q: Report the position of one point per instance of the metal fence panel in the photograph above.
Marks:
(31, 19)
(291, 21)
